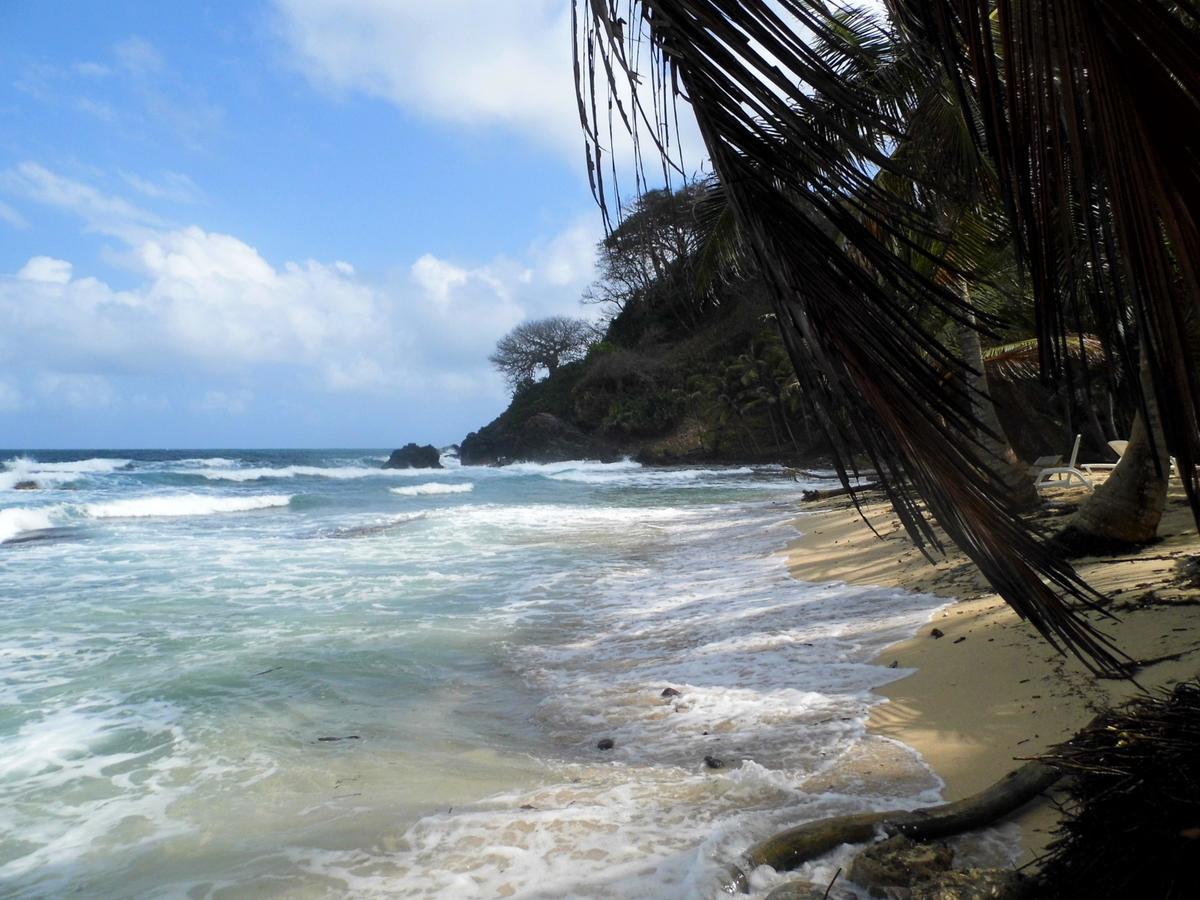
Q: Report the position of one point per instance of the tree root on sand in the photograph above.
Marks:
(790, 849)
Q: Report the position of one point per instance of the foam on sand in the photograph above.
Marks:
(173, 505)
(432, 487)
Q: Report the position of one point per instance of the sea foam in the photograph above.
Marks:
(182, 505)
(433, 487)
(21, 520)
(54, 474)
(336, 472)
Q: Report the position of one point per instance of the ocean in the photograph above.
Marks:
(295, 674)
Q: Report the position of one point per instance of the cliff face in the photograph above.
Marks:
(713, 389)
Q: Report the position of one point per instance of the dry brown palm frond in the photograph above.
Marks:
(1132, 822)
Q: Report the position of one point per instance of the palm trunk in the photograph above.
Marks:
(999, 455)
(1126, 509)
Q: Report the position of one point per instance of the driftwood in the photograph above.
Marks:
(790, 849)
(829, 493)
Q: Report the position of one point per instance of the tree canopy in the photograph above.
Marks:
(541, 344)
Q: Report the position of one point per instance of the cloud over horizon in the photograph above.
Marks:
(207, 305)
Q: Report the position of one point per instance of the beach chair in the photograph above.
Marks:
(1118, 447)
(1049, 471)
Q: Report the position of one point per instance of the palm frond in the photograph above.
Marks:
(1090, 110)
(1019, 360)
(797, 146)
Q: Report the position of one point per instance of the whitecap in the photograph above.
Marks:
(570, 465)
(338, 472)
(432, 487)
(174, 505)
(648, 477)
(22, 520)
(54, 474)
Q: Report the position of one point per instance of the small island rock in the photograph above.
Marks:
(25, 486)
(410, 456)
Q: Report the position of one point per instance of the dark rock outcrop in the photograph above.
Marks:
(410, 456)
(26, 486)
(542, 437)
(898, 863)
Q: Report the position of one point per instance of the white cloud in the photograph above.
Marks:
(171, 186)
(204, 303)
(570, 256)
(12, 217)
(438, 277)
(462, 61)
(476, 65)
(101, 212)
(46, 268)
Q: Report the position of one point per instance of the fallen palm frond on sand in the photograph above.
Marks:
(1132, 823)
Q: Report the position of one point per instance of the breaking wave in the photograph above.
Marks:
(182, 505)
(337, 472)
(54, 474)
(19, 521)
(433, 487)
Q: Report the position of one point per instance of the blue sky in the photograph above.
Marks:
(289, 223)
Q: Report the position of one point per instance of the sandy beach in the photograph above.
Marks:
(990, 692)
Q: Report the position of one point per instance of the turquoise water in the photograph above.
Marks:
(293, 674)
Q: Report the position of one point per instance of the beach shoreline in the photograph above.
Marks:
(989, 692)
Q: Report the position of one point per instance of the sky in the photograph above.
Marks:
(280, 223)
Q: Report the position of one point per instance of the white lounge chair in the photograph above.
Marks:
(1047, 470)
(1119, 449)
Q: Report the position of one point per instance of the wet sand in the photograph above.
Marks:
(990, 691)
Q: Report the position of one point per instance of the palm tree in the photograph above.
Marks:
(1125, 510)
(1079, 106)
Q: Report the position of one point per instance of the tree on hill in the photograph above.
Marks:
(541, 344)
(650, 258)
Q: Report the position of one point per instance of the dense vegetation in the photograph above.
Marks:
(689, 366)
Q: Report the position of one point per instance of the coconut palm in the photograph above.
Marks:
(1080, 107)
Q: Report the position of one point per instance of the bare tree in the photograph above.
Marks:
(653, 247)
(541, 344)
